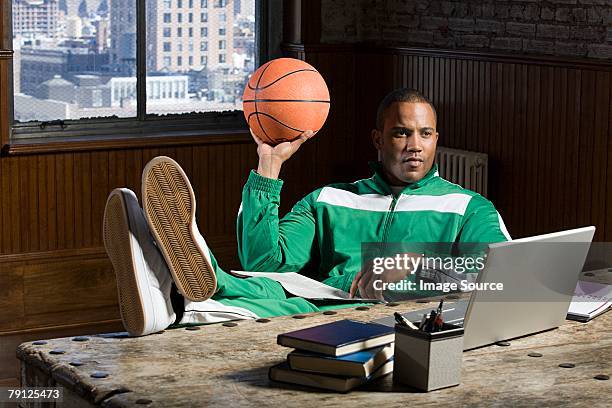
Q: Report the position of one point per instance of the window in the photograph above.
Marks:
(64, 74)
(220, 3)
(222, 17)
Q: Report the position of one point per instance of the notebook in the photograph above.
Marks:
(359, 364)
(338, 338)
(590, 300)
(283, 373)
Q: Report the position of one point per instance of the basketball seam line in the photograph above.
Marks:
(286, 100)
(264, 66)
(256, 90)
(276, 80)
(276, 120)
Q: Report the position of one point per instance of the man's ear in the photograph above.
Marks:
(377, 139)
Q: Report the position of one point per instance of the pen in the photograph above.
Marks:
(440, 306)
(432, 324)
(423, 322)
(439, 322)
(401, 320)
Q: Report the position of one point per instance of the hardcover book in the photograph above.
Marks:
(338, 338)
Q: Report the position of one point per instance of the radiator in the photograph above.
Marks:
(468, 169)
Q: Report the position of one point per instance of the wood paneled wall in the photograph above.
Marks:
(53, 202)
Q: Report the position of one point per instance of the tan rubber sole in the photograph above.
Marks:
(169, 206)
(116, 235)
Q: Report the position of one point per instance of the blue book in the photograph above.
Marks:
(359, 364)
(338, 338)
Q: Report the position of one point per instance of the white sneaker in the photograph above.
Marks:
(143, 279)
(169, 206)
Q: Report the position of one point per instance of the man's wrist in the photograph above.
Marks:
(269, 166)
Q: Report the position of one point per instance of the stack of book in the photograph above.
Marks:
(337, 356)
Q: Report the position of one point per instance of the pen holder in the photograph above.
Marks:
(428, 361)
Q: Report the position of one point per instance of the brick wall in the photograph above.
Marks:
(579, 28)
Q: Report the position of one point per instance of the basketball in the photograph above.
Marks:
(284, 98)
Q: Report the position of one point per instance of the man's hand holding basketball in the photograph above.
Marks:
(271, 158)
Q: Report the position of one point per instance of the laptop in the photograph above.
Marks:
(539, 275)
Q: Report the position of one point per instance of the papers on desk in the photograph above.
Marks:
(590, 299)
(300, 285)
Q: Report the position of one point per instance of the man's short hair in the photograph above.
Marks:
(400, 95)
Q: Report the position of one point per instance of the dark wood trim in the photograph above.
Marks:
(292, 21)
(141, 60)
(5, 95)
(5, 22)
(75, 254)
(262, 19)
(554, 61)
(219, 242)
(83, 326)
(38, 146)
(294, 51)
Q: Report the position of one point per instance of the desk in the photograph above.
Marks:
(227, 366)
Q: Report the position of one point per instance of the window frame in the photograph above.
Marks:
(77, 134)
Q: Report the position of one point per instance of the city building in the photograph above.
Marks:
(38, 65)
(102, 34)
(123, 34)
(160, 89)
(188, 34)
(35, 18)
(93, 95)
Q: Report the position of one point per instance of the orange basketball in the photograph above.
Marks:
(283, 98)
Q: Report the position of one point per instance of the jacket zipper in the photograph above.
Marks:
(388, 218)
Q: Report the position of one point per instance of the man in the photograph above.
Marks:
(405, 200)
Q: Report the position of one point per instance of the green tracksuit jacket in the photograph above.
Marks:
(321, 236)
